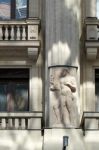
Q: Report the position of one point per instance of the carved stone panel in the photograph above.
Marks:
(32, 32)
(63, 97)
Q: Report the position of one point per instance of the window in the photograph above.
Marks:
(14, 89)
(97, 9)
(21, 9)
(97, 88)
(13, 9)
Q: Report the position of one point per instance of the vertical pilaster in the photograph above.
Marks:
(34, 8)
(62, 40)
(90, 8)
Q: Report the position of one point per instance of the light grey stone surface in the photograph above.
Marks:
(34, 8)
(90, 8)
(55, 136)
(20, 140)
(62, 32)
(63, 97)
(76, 140)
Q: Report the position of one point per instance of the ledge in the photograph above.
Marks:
(33, 21)
(91, 49)
(91, 21)
(32, 43)
(20, 120)
(21, 115)
(92, 43)
(20, 35)
(91, 53)
(90, 121)
(29, 49)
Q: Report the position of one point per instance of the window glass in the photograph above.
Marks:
(10, 8)
(14, 89)
(21, 9)
(5, 8)
(97, 88)
(97, 9)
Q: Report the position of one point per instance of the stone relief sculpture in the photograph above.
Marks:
(63, 102)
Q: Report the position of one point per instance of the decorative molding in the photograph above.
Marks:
(92, 36)
(90, 8)
(91, 53)
(15, 44)
(25, 40)
(52, 66)
(33, 53)
(90, 121)
(92, 32)
(62, 88)
(33, 32)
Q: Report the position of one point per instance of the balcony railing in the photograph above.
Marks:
(19, 30)
(21, 121)
(13, 32)
(92, 37)
(18, 35)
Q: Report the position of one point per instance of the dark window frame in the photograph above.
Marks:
(13, 10)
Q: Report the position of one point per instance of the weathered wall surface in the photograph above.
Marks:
(10, 58)
(76, 139)
(35, 8)
(88, 66)
(23, 140)
(90, 8)
(62, 33)
(36, 70)
(62, 48)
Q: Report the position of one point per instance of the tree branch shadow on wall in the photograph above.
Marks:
(62, 36)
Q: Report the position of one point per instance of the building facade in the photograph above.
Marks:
(49, 75)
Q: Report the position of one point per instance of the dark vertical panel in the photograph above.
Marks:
(97, 88)
(13, 9)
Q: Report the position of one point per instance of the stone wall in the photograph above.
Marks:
(62, 33)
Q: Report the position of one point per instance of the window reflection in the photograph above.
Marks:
(97, 88)
(5, 7)
(10, 7)
(14, 89)
(98, 9)
(21, 9)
